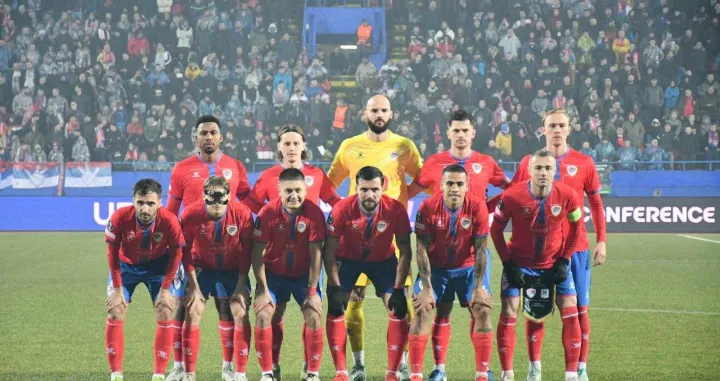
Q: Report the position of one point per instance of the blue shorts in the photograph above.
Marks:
(581, 267)
(151, 274)
(565, 288)
(281, 288)
(381, 274)
(220, 284)
(447, 283)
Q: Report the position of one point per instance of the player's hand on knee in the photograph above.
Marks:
(514, 274)
(424, 301)
(313, 303)
(239, 301)
(398, 303)
(599, 254)
(115, 299)
(262, 300)
(560, 270)
(193, 296)
(165, 299)
(336, 300)
(481, 298)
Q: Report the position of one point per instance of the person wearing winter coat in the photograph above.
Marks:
(634, 131)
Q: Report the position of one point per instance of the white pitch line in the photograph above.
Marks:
(698, 238)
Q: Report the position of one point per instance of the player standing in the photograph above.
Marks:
(218, 233)
(536, 262)
(186, 187)
(481, 170)
(287, 261)
(395, 156)
(451, 229)
(144, 245)
(291, 154)
(577, 171)
(361, 229)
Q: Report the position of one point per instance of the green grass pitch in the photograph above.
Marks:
(655, 316)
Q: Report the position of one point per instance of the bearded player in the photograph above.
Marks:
(577, 171)
(396, 156)
(536, 261)
(291, 153)
(451, 229)
(361, 230)
(287, 261)
(186, 187)
(218, 233)
(144, 245)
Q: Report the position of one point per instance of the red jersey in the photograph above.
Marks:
(537, 224)
(577, 171)
(223, 244)
(319, 187)
(130, 243)
(288, 237)
(189, 175)
(367, 238)
(452, 232)
(482, 170)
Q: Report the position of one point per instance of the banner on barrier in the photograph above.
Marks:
(88, 175)
(35, 175)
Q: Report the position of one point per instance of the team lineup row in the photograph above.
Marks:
(290, 240)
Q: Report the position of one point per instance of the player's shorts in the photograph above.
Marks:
(565, 288)
(581, 267)
(381, 274)
(151, 274)
(281, 288)
(363, 281)
(219, 284)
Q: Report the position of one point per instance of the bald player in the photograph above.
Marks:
(396, 156)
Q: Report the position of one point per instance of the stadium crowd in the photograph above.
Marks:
(124, 80)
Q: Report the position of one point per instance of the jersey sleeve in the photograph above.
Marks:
(574, 207)
(425, 177)
(338, 171)
(502, 210)
(592, 182)
(112, 234)
(175, 190)
(261, 230)
(258, 195)
(522, 174)
(246, 241)
(189, 236)
(403, 221)
(176, 235)
(316, 226)
(328, 192)
(423, 220)
(414, 162)
(243, 186)
(498, 177)
(336, 222)
(481, 224)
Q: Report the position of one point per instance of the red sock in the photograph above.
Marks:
(114, 344)
(241, 346)
(585, 329)
(534, 333)
(163, 341)
(571, 337)
(418, 343)
(263, 348)
(226, 330)
(278, 332)
(440, 339)
(313, 348)
(397, 335)
(482, 341)
(177, 340)
(191, 345)
(304, 342)
(506, 341)
(337, 340)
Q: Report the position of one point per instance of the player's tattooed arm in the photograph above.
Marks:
(403, 269)
(329, 251)
(423, 261)
(480, 244)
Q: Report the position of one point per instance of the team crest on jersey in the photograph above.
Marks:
(530, 292)
(232, 230)
(477, 168)
(309, 180)
(555, 210)
(465, 222)
(157, 237)
(393, 155)
(227, 174)
(301, 226)
(382, 225)
(572, 170)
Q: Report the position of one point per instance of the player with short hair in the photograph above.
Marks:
(577, 171)
(186, 187)
(287, 261)
(396, 156)
(218, 233)
(536, 262)
(481, 170)
(451, 229)
(291, 153)
(144, 245)
(361, 229)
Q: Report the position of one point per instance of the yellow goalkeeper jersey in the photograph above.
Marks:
(396, 156)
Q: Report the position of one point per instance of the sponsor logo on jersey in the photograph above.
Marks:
(477, 168)
(280, 226)
(527, 210)
(545, 293)
(572, 170)
(309, 180)
(555, 210)
(530, 292)
(301, 226)
(196, 174)
(157, 237)
(227, 174)
(232, 230)
(465, 223)
(381, 226)
(393, 155)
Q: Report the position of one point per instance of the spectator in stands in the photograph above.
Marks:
(56, 154)
(628, 156)
(655, 155)
(688, 145)
(712, 152)
(364, 36)
(80, 150)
